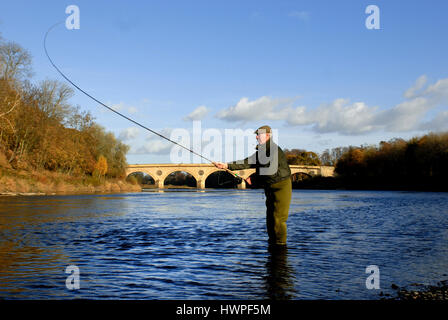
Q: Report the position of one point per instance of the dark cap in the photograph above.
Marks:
(264, 129)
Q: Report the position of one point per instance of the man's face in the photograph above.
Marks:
(263, 137)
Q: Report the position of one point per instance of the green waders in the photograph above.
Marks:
(278, 198)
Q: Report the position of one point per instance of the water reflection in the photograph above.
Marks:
(203, 245)
(279, 274)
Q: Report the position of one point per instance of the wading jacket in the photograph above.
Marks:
(269, 162)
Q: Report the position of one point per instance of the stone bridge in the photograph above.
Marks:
(200, 172)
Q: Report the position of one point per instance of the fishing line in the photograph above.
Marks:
(115, 111)
(106, 106)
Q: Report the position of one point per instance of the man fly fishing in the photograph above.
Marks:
(274, 175)
(272, 170)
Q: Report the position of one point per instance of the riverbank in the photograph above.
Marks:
(25, 182)
(422, 292)
(342, 183)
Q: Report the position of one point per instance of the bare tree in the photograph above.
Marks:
(52, 97)
(326, 158)
(15, 62)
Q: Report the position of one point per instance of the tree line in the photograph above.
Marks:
(419, 163)
(40, 129)
(420, 160)
(328, 157)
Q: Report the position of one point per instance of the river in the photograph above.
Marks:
(212, 244)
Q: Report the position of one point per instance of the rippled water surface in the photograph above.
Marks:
(188, 244)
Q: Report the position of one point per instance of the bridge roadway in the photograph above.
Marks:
(201, 171)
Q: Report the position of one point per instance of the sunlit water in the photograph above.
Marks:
(188, 244)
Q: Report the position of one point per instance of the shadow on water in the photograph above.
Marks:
(279, 274)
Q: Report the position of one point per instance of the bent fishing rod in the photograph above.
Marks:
(234, 174)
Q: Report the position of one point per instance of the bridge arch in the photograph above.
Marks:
(168, 173)
(210, 172)
(295, 176)
(140, 177)
(220, 179)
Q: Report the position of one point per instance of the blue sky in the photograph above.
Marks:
(310, 69)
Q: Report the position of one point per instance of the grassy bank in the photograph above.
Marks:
(14, 182)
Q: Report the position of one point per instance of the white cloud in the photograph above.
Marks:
(405, 116)
(438, 123)
(155, 144)
(343, 117)
(410, 114)
(132, 110)
(418, 85)
(128, 134)
(197, 114)
(438, 92)
(338, 116)
(117, 106)
(154, 147)
(122, 107)
(264, 108)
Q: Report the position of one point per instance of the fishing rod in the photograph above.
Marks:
(234, 174)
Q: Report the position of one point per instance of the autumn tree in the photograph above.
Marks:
(302, 157)
(101, 166)
(353, 159)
